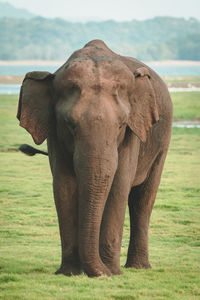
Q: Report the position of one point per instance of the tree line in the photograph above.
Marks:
(55, 39)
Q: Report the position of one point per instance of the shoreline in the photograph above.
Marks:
(31, 62)
(173, 82)
(174, 63)
(59, 62)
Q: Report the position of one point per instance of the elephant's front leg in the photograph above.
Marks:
(114, 212)
(112, 227)
(65, 196)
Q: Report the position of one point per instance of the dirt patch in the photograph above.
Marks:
(10, 150)
(174, 63)
(31, 62)
(7, 79)
(182, 81)
(195, 122)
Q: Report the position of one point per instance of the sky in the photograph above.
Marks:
(119, 10)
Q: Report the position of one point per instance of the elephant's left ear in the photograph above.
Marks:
(34, 106)
(144, 111)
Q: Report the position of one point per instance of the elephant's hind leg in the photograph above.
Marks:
(141, 201)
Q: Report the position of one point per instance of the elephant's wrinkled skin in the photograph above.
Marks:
(107, 120)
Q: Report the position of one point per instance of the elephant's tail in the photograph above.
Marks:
(28, 150)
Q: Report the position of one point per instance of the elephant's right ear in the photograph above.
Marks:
(144, 111)
(34, 106)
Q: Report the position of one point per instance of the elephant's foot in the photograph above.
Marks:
(111, 258)
(69, 270)
(138, 259)
(96, 271)
(115, 270)
(138, 265)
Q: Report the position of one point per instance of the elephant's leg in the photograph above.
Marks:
(141, 201)
(65, 196)
(114, 212)
(112, 226)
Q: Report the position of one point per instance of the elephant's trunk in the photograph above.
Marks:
(95, 174)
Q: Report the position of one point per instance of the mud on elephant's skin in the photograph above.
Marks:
(107, 120)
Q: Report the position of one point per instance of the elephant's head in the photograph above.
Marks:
(95, 98)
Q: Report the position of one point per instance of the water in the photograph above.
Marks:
(183, 89)
(161, 70)
(186, 125)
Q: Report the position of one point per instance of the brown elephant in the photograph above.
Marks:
(107, 119)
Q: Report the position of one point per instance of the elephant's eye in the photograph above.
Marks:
(122, 125)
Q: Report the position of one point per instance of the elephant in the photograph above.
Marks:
(107, 119)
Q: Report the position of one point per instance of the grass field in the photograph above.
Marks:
(29, 238)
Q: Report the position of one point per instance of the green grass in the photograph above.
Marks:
(12, 135)
(186, 106)
(29, 238)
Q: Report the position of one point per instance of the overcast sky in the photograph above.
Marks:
(120, 10)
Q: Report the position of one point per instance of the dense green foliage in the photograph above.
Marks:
(155, 39)
(29, 238)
